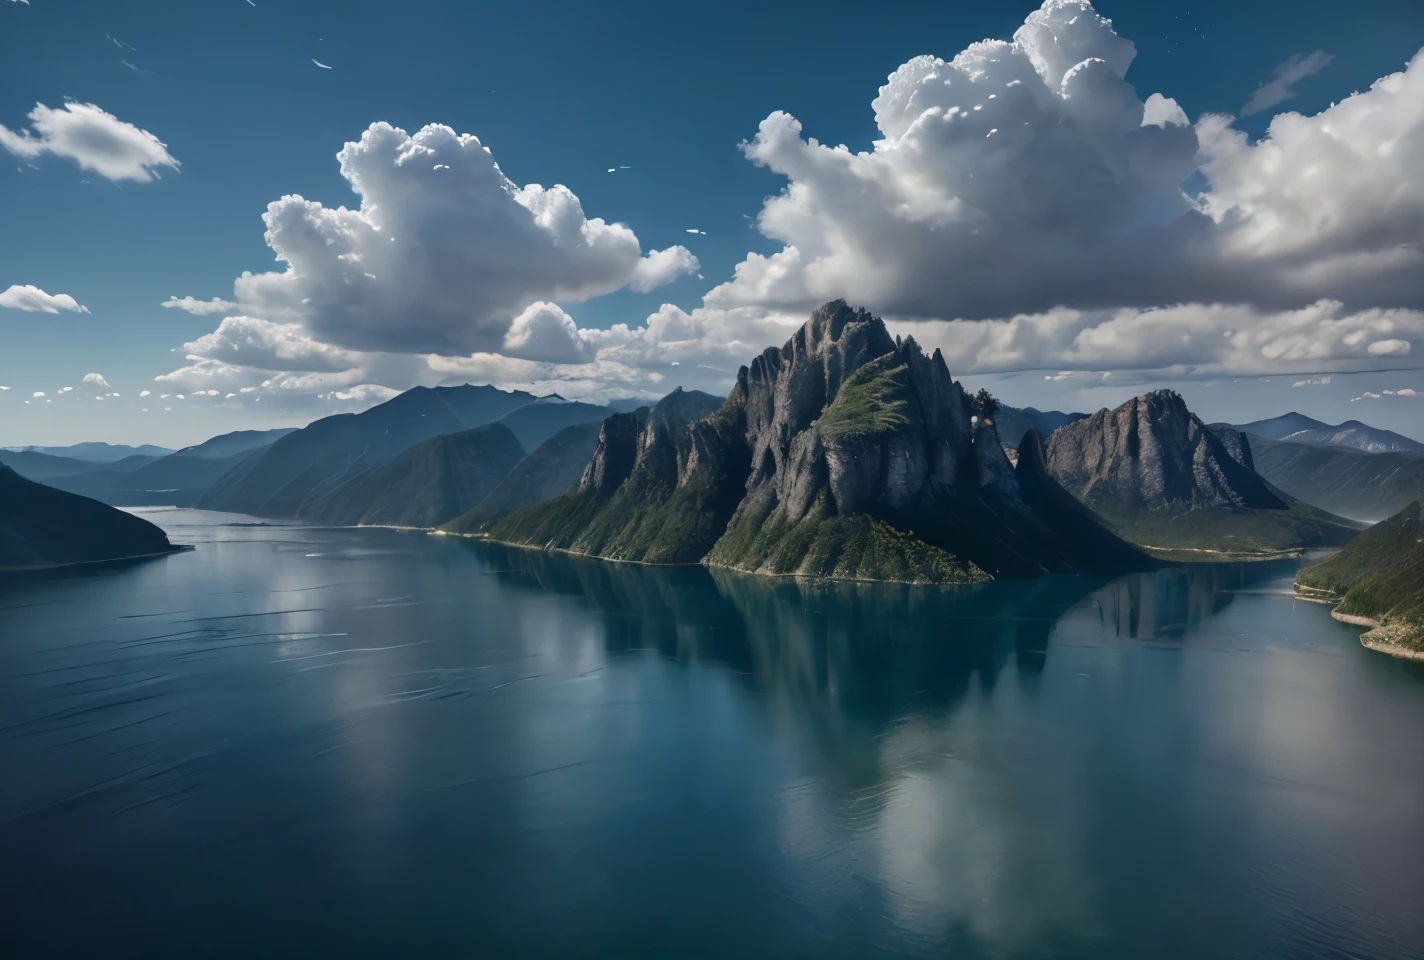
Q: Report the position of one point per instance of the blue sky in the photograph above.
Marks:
(561, 92)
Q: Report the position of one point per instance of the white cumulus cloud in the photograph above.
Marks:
(438, 260)
(661, 267)
(543, 331)
(1077, 199)
(95, 380)
(35, 300)
(93, 138)
(1022, 208)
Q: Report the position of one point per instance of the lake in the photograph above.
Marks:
(364, 743)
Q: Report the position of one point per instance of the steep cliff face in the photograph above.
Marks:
(1167, 481)
(843, 453)
(1153, 453)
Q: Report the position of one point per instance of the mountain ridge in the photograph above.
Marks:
(423, 486)
(1351, 435)
(334, 449)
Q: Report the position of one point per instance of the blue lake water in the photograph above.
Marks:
(368, 743)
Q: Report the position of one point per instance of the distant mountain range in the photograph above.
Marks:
(231, 444)
(41, 526)
(334, 449)
(1166, 482)
(1361, 486)
(844, 454)
(1350, 435)
(177, 479)
(540, 420)
(1379, 577)
(36, 465)
(97, 452)
(1014, 422)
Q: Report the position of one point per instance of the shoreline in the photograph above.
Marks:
(709, 566)
(1379, 637)
(42, 567)
(1219, 556)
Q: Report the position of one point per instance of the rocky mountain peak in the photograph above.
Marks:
(844, 452)
(1152, 453)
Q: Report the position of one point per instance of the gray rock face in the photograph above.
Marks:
(646, 441)
(805, 448)
(1152, 453)
(617, 453)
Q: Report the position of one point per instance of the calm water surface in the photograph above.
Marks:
(302, 742)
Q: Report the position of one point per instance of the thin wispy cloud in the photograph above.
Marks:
(200, 307)
(320, 64)
(1282, 85)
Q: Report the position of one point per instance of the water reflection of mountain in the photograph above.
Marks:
(1168, 604)
(872, 649)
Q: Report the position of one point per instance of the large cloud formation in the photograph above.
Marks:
(1026, 175)
(1023, 208)
(443, 252)
(93, 138)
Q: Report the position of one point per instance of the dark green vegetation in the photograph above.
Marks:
(1361, 486)
(41, 526)
(1379, 575)
(337, 448)
(871, 401)
(1351, 435)
(1170, 484)
(845, 454)
(856, 547)
(424, 486)
(554, 468)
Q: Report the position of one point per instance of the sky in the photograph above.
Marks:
(339, 201)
